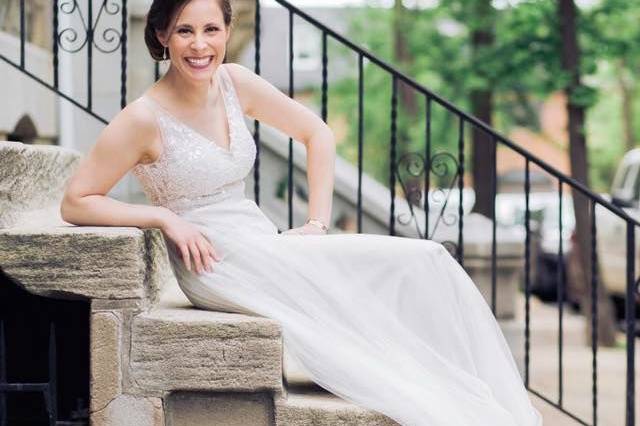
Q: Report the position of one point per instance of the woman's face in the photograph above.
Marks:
(197, 40)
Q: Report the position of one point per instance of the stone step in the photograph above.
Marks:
(188, 349)
(319, 408)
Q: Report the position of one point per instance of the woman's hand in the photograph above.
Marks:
(189, 243)
(306, 229)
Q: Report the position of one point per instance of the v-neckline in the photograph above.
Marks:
(197, 132)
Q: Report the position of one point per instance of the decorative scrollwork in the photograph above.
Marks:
(110, 35)
(444, 167)
(70, 41)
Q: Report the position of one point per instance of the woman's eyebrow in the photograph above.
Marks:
(190, 26)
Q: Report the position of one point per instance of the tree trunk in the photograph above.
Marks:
(626, 90)
(483, 156)
(567, 15)
(407, 103)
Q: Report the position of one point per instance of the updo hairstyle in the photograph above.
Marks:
(161, 14)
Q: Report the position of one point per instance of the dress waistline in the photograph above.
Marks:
(234, 190)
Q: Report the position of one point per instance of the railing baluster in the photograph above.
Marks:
(89, 53)
(392, 156)
(560, 299)
(3, 376)
(55, 44)
(290, 187)
(53, 377)
(594, 316)
(527, 272)
(325, 61)
(630, 320)
(427, 164)
(123, 59)
(360, 135)
(23, 33)
(256, 123)
(460, 248)
(494, 245)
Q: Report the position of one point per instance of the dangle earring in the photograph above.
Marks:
(164, 56)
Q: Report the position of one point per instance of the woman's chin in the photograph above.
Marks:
(198, 76)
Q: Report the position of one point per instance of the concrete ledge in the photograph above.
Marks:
(192, 349)
(84, 262)
(32, 177)
(324, 409)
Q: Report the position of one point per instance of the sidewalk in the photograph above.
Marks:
(577, 360)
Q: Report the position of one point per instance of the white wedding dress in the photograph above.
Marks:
(389, 323)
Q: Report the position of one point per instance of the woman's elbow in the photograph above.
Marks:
(327, 135)
(67, 209)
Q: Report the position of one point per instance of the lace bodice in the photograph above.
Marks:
(191, 167)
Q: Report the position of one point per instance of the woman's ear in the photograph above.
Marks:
(162, 37)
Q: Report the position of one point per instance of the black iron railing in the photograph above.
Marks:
(47, 389)
(419, 165)
(497, 139)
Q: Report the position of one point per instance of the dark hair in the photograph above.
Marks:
(160, 16)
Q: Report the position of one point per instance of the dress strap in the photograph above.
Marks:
(228, 88)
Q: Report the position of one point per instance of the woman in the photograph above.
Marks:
(390, 323)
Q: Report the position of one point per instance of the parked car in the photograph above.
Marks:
(545, 235)
(611, 230)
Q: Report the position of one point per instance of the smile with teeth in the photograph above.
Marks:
(199, 62)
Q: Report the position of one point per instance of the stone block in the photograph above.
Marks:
(324, 409)
(32, 177)
(105, 351)
(85, 261)
(192, 349)
(508, 273)
(131, 410)
(230, 409)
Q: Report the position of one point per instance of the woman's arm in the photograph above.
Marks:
(264, 102)
(119, 147)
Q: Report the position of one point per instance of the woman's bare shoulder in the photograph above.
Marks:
(242, 78)
(136, 115)
(135, 124)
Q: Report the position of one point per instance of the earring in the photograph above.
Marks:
(164, 56)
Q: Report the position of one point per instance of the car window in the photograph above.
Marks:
(625, 184)
(636, 183)
(620, 178)
(630, 181)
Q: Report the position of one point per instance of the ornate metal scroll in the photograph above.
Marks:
(409, 169)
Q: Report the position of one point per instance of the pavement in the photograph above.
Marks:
(577, 366)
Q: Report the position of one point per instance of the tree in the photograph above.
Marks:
(570, 58)
(483, 147)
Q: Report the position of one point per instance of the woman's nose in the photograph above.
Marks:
(198, 42)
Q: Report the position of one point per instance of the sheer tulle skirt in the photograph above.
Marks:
(390, 323)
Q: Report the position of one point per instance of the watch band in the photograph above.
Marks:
(316, 222)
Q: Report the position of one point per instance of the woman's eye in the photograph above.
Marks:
(183, 30)
(212, 29)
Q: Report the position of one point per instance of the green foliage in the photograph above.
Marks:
(521, 68)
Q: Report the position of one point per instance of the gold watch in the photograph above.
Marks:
(317, 223)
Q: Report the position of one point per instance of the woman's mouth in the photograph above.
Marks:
(199, 63)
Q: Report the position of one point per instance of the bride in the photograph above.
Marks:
(390, 323)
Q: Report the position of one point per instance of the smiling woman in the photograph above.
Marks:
(393, 324)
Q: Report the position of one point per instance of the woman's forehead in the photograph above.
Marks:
(200, 12)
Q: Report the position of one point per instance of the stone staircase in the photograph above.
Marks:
(155, 359)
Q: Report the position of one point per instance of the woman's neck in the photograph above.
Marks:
(193, 96)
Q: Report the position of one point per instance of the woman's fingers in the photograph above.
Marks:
(184, 251)
(207, 261)
(195, 251)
